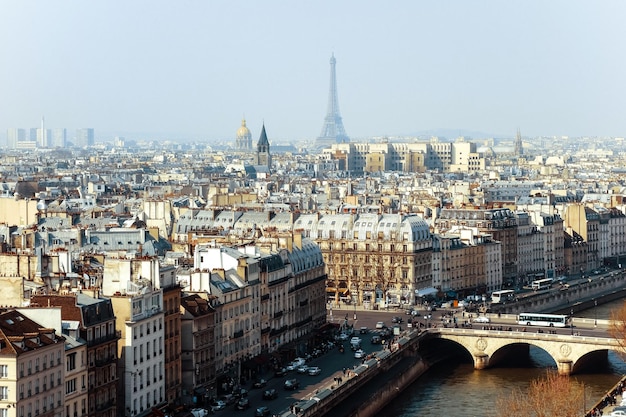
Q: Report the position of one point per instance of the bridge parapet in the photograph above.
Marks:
(566, 350)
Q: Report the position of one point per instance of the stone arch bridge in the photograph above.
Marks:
(570, 352)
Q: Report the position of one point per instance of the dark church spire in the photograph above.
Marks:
(263, 156)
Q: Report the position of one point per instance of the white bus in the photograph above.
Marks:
(541, 284)
(502, 296)
(538, 319)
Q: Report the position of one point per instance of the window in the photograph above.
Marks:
(4, 393)
(4, 371)
(71, 361)
(70, 386)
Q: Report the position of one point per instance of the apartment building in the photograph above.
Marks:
(32, 368)
(89, 319)
(374, 260)
(466, 262)
(198, 346)
(500, 223)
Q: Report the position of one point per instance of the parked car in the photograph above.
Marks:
(342, 336)
(242, 404)
(376, 339)
(302, 369)
(396, 319)
(217, 405)
(240, 393)
(228, 399)
(291, 384)
(280, 372)
(363, 330)
(482, 319)
(270, 394)
(314, 370)
(359, 354)
(262, 411)
(199, 412)
(259, 383)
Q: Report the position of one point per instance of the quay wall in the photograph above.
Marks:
(392, 371)
(578, 296)
(386, 393)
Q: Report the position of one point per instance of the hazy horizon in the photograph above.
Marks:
(195, 69)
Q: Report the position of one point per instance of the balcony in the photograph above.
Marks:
(108, 338)
(105, 405)
(105, 361)
(238, 334)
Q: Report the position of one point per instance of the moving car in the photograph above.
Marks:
(302, 369)
(376, 339)
(380, 325)
(363, 330)
(199, 412)
(359, 354)
(396, 319)
(482, 319)
(262, 412)
(259, 383)
(291, 384)
(270, 394)
(314, 370)
(242, 404)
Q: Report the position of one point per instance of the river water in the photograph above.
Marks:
(458, 390)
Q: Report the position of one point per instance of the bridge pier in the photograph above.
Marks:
(564, 367)
(481, 361)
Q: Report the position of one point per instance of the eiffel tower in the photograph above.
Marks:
(332, 130)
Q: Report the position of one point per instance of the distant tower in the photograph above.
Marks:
(332, 130)
(263, 156)
(519, 151)
(243, 141)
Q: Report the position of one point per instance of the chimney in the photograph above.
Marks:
(297, 238)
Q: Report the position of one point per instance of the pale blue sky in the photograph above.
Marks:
(194, 68)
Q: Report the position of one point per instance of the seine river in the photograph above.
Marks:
(460, 391)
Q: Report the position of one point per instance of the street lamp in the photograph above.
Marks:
(354, 310)
(595, 313)
(572, 320)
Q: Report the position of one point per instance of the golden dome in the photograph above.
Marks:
(243, 131)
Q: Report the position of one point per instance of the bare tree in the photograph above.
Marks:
(617, 328)
(548, 396)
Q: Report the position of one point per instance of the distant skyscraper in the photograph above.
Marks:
(332, 130)
(243, 142)
(15, 135)
(84, 137)
(519, 150)
(58, 138)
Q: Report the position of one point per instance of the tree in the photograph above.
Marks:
(617, 328)
(548, 396)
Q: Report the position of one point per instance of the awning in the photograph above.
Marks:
(344, 291)
(423, 292)
(329, 289)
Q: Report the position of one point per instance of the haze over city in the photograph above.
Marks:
(194, 69)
